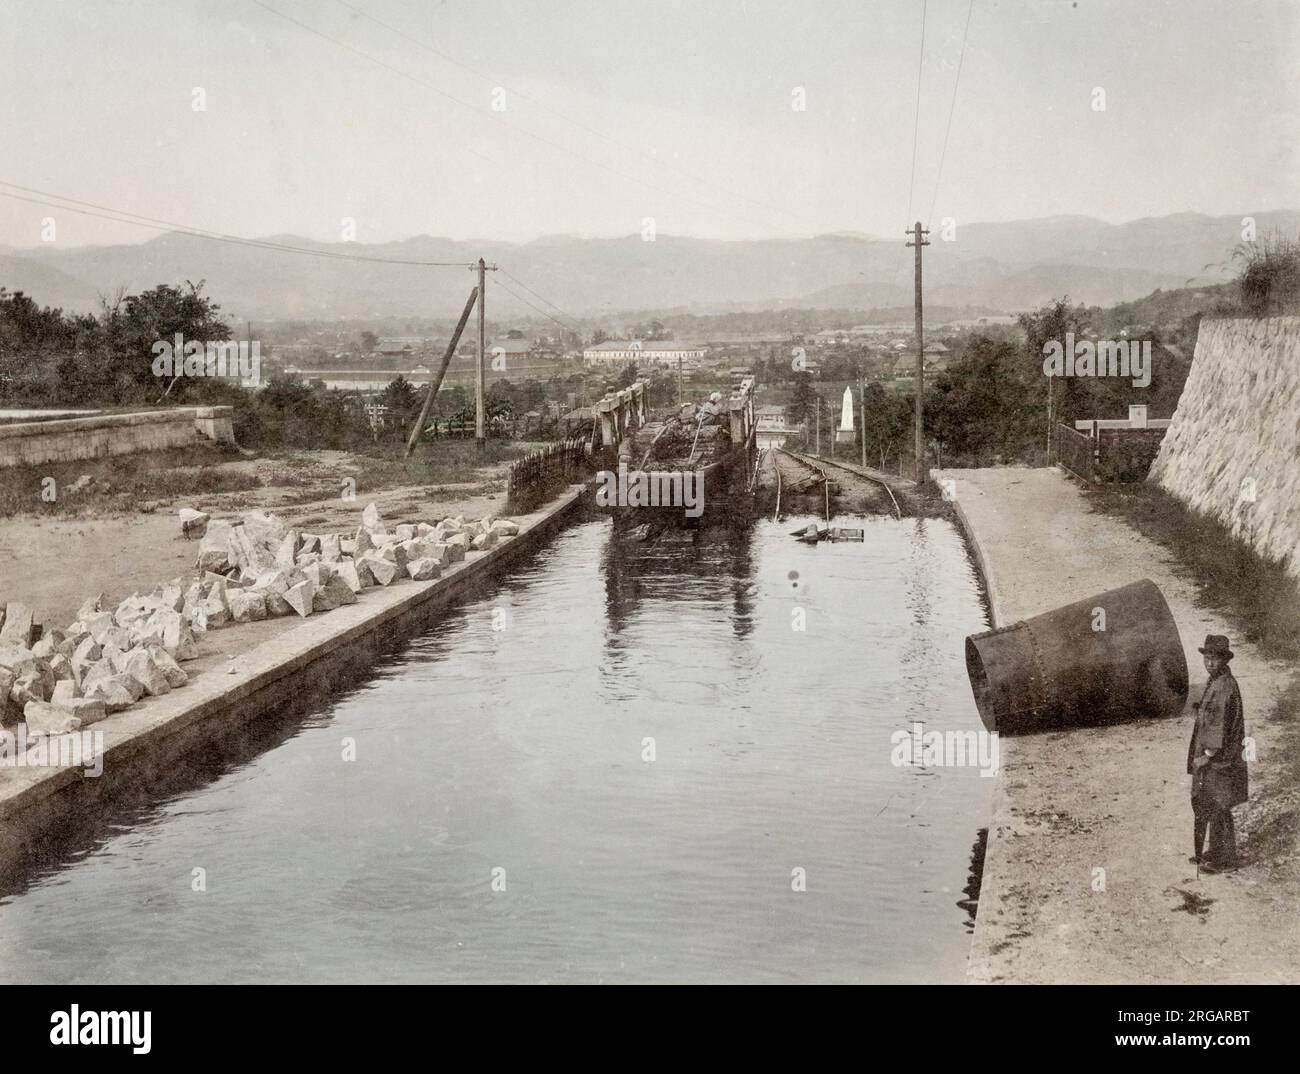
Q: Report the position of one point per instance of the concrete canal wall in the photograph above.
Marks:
(1232, 446)
(304, 661)
(31, 443)
(1086, 862)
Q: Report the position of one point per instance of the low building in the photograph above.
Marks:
(658, 352)
(399, 345)
(771, 429)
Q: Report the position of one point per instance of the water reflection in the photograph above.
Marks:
(768, 676)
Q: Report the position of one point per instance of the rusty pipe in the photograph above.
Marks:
(1113, 657)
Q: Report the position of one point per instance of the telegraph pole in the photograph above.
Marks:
(480, 385)
(922, 470)
(862, 416)
(480, 406)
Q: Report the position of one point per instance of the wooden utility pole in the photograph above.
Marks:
(679, 381)
(922, 470)
(436, 382)
(862, 416)
(817, 411)
(480, 403)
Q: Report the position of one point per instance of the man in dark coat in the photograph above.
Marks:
(1215, 761)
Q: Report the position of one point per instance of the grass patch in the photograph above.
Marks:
(1262, 604)
(123, 483)
(1262, 600)
(447, 462)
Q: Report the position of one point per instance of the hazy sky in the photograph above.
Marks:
(680, 110)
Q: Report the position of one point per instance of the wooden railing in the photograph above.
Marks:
(534, 476)
(1076, 452)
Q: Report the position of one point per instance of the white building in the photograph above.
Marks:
(661, 352)
(772, 430)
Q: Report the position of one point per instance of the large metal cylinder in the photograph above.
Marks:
(1113, 657)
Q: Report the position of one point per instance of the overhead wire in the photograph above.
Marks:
(498, 118)
(123, 216)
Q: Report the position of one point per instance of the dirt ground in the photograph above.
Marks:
(54, 564)
(1116, 799)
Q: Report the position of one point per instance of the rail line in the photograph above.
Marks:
(849, 470)
(803, 461)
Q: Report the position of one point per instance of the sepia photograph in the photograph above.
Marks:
(644, 493)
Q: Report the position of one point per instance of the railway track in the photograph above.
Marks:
(818, 476)
(858, 474)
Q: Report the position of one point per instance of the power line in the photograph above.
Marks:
(381, 63)
(122, 216)
(916, 127)
(951, 109)
(537, 309)
(711, 206)
(556, 112)
(525, 286)
(916, 122)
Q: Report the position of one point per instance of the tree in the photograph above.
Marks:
(402, 400)
(598, 337)
(803, 403)
(886, 421)
(1052, 322)
(369, 341)
(159, 315)
(981, 406)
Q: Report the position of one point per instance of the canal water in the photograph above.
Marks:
(622, 762)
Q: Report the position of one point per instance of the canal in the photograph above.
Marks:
(623, 762)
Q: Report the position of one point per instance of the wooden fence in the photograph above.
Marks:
(533, 476)
(1076, 452)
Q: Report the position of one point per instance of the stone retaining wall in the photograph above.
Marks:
(35, 442)
(1233, 447)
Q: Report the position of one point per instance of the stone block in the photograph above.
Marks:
(44, 719)
(424, 569)
(346, 571)
(333, 593)
(301, 596)
(247, 606)
(142, 666)
(33, 680)
(381, 570)
(194, 524)
(116, 691)
(214, 552)
(19, 625)
(98, 626)
(64, 690)
(175, 674)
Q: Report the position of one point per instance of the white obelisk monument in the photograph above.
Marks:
(844, 434)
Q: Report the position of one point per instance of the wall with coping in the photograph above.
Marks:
(35, 442)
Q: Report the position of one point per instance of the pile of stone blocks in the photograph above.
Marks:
(62, 680)
(257, 568)
(304, 572)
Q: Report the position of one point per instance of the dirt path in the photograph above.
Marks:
(1116, 798)
(54, 564)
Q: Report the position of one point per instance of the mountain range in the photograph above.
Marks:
(1003, 267)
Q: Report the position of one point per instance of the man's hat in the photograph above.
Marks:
(1216, 645)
